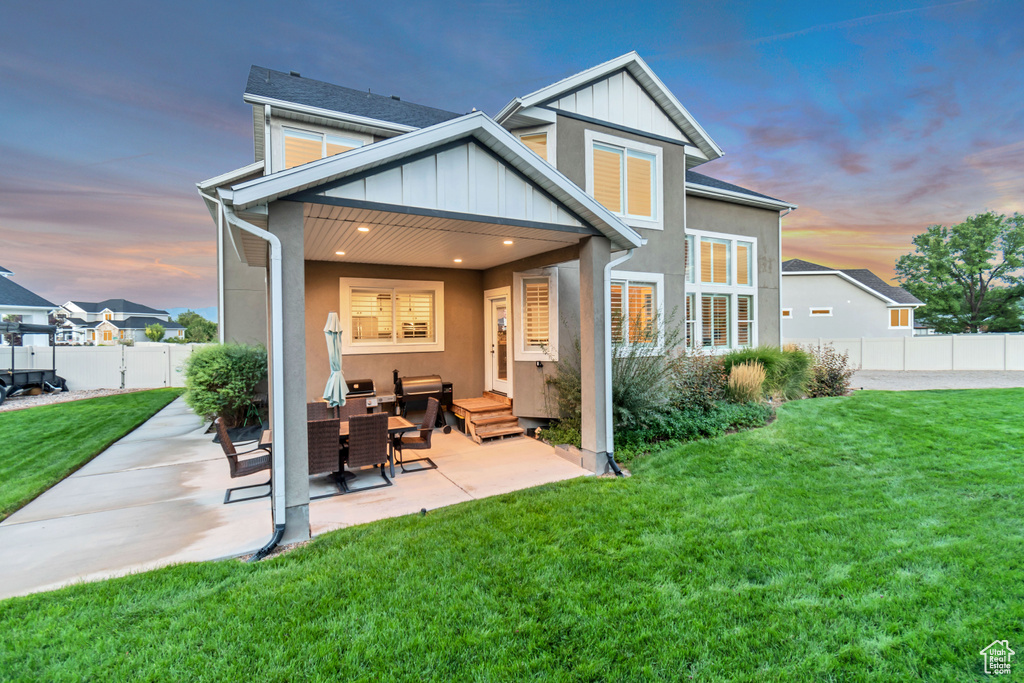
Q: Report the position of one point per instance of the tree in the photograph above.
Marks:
(197, 328)
(155, 332)
(13, 339)
(968, 275)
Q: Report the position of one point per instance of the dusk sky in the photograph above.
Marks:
(877, 118)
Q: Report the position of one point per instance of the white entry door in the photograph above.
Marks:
(497, 340)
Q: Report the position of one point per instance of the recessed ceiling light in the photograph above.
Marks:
(340, 253)
(364, 229)
(508, 241)
(458, 260)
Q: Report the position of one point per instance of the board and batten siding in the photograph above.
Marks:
(464, 179)
(619, 99)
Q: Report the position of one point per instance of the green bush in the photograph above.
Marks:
(699, 381)
(221, 381)
(670, 426)
(746, 415)
(787, 372)
(155, 332)
(831, 374)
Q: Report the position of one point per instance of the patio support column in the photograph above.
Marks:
(286, 221)
(595, 253)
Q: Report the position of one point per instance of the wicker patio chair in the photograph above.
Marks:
(243, 468)
(320, 410)
(421, 441)
(367, 445)
(323, 449)
(353, 406)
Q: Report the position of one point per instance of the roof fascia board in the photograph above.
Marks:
(737, 197)
(478, 125)
(855, 283)
(384, 126)
(19, 307)
(230, 176)
(620, 128)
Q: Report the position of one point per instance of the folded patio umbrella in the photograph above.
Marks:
(334, 392)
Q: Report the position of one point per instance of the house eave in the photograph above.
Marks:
(364, 123)
(737, 197)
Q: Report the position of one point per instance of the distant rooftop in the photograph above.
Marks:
(861, 275)
(117, 306)
(278, 85)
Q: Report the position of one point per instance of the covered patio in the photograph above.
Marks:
(447, 217)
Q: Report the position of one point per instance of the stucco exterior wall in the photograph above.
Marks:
(717, 216)
(461, 362)
(855, 312)
(245, 301)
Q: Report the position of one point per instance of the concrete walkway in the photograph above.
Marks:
(920, 380)
(153, 498)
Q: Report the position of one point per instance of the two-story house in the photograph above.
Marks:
(111, 321)
(832, 303)
(19, 304)
(482, 249)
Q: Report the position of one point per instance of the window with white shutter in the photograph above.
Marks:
(535, 323)
(388, 316)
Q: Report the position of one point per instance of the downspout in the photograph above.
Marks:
(781, 215)
(609, 427)
(277, 356)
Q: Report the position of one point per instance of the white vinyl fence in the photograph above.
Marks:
(143, 366)
(931, 352)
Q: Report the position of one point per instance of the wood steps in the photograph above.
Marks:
(488, 417)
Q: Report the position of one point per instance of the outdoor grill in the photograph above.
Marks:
(416, 390)
(360, 388)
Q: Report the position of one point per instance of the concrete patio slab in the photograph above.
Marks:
(156, 497)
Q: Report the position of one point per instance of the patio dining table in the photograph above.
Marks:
(396, 425)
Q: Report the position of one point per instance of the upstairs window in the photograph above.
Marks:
(625, 177)
(537, 143)
(744, 265)
(714, 261)
(303, 146)
(899, 317)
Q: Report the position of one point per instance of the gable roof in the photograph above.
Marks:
(859, 276)
(267, 84)
(648, 80)
(116, 306)
(476, 126)
(138, 322)
(700, 184)
(13, 294)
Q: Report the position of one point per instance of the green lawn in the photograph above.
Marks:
(876, 537)
(40, 446)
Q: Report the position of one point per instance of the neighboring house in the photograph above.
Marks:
(482, 249)
(818, 301)
(110, 321)
(25, 306)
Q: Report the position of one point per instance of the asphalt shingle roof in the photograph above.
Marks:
(117, 306)
(138, 322)
(278, 85)
(861, 275)
(701, 179)
(13, 294)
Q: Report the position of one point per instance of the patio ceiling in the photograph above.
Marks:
(407, 239)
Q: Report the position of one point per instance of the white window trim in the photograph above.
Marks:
(519, 352)
(732, 290)
(910, 317)
(659, 283)
(787, 313)
(552, 139)
(590, 137)
(812, 310)
(347, 284)
(278, 127)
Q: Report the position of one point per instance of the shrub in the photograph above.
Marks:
(787, 372)
(699, 381)
(670, 426)
(641, 379)
(221, 381)
(559, 432)
(746, 415)
(830, 374)
(155, 332)
(746, 382)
